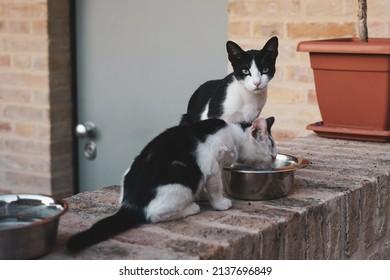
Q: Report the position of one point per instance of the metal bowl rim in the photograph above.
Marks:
(63, 203)
(301, 162)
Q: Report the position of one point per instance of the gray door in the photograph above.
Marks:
(138, 62)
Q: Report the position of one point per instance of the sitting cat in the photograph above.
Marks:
(240, 96)
(169, 173)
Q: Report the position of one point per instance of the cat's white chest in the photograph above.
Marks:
(242, 105)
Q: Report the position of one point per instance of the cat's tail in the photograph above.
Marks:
(122, 220)
(188, 118)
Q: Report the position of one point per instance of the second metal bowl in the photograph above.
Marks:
(28, 225)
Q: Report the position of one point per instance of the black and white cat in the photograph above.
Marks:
(240, 96)
(165, 178)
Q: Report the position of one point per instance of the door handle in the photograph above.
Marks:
(88, 131)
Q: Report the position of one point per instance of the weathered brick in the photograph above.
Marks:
(379, 8)
(320, 30)
(349, 8)
(24, 129)
(3, 27)
(15, 95)
(40, 62)
(41, 96)
(25, 182)
(243, 8)
(21, 61)
(299, 73)
(315, 245)
(28, 147)
(5, 127)
(353, 222)
(382, 206)
(295, 242)
(24, 10)
(382, 254)
(28, 113)
(25, 79)
(283, 135)
(25, 44)
(312, 97)
(323, 8)
(19, 26)
(271, 246)
(239, 29)
(261, 29)
(368, 212)
(14, 162)
(333, 221)
(195, 249)
(247, 223)
(39, 27)
(264, 8)
(252, 224)
(378, 28)
(286, 95)
(5, 60)
(43, 132)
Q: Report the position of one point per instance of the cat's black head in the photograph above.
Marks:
(254, 68)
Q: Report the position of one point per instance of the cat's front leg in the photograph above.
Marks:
(214, 188)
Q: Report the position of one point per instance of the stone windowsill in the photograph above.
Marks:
(338, 209)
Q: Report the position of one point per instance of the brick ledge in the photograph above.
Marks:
(338, 209)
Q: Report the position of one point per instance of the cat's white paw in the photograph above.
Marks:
(191, 210)
(221, 204)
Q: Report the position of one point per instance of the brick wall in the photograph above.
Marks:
(292, 98)
(339, 208)
(35, 97)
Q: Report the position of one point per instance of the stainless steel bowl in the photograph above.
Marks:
(28, 225)
(246, 183)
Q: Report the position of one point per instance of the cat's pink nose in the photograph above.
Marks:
(257, 84)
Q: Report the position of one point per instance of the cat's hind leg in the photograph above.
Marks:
(172, 202)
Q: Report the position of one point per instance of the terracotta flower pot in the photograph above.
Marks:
(352, 81)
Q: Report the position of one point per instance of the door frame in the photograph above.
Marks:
(74, 94)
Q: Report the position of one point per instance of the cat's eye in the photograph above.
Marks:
(245, 71)
(265, 70)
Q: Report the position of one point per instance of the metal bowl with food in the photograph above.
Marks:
(246, 183)
(28, 225)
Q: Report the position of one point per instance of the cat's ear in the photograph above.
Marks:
(270, 121)
(258, 129)
(234, 51)
(272, 46)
